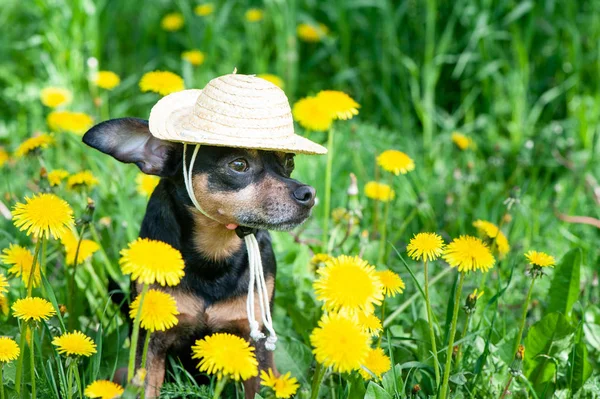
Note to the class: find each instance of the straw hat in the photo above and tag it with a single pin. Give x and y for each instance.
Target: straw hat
(231, 111)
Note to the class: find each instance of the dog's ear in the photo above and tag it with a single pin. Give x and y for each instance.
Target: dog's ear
(129, 140)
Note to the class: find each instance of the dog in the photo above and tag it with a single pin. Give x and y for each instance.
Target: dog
(238, 188)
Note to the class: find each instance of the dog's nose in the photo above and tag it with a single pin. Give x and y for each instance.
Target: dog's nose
(305, 195)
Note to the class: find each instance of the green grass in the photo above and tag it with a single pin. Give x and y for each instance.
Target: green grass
(518, 77)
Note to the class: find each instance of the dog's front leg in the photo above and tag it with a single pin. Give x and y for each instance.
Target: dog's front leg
(266, 361)
(155, 363)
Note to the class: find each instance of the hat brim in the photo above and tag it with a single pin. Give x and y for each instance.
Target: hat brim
(172, 119)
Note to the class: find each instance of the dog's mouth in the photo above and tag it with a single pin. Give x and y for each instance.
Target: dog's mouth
(286, 224)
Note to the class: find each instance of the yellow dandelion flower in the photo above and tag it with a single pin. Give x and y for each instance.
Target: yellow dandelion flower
(86, 249)
(339, 342)
(44, 215)
(41, 141)
(74, 344)
(159, 311)
(21, 260)
(284, 386)
(107, 80)
(146, 184)
(493, 232)
(461, 141)
(348, 283)
(67, 121)
(56, 176)
(103, 389)
(339, 104)
(3, 156)
(395, 162)
(9, 350)
(370, 323)
(311, 115)
(318, 259)
(161, 82)
(194, 57)
(310, 33)
(468, 254)
(392, 283)
(3, 285)
(540, 259)
(150, 261)
(205, 9)
(85, 178)
(4, 305)
(377, 362)
(55, 96)
(276, 80)
(379, 191)
(426, 246)
(254, 15)
(33, 308)
(172, 22)
(226, 355)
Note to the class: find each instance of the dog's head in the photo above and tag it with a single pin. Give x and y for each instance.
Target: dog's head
(234, 186)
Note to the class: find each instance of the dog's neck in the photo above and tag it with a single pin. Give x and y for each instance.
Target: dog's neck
(212, 239)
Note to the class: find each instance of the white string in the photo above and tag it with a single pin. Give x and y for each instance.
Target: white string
(257, 277)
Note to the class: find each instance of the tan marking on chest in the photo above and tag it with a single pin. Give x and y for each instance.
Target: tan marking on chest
(232, 312)
(213, 239)
(190, 307)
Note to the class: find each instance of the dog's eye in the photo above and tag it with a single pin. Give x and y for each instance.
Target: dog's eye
(289, 163)
(239, 165)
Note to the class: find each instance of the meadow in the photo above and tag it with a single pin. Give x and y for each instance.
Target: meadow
(462, 186)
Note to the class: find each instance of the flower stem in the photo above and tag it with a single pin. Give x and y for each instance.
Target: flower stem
(38, 245)
(327, 196)
(506, 387)
(464, 333)
(72, 291)
(317, 380)
(134, 335)
(70, 381)
(447, 367)
(19, 372)
(383, 239)
(219, 387)
(78, 381)
(436, 361)
(523, 318)
(1, 383)
(32, 362)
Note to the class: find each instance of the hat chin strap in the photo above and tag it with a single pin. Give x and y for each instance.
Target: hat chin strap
(257, 275)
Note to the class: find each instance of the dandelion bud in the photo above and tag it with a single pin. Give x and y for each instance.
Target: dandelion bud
(517, 364)
(62, 309)
(43, 173)
(353, 188)
(471, 301)
(98, 102)
(416, 389)
(339, 214)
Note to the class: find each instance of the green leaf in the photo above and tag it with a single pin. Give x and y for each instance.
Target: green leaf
(356, 387)
(293, 356)
(579, 367)
(374, 391)
(564, 290)
(420, 333)
(541, 346)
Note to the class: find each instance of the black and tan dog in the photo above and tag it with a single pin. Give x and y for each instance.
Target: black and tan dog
(236, 187)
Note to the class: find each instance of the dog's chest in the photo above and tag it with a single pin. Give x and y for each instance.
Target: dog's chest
(229, 314)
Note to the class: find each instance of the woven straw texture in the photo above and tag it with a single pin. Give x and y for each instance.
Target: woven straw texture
(231, 111)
